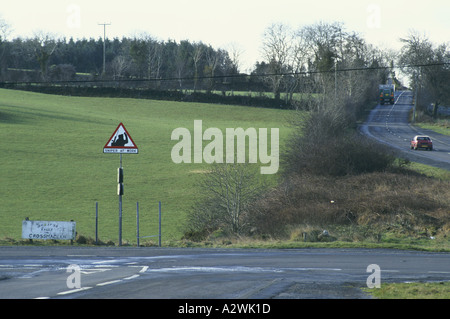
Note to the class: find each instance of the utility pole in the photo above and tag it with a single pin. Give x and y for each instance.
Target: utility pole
(335, 82)
(104, 45)
(416, 93)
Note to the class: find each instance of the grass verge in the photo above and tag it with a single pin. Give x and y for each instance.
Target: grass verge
(439, 126)
(413, 290)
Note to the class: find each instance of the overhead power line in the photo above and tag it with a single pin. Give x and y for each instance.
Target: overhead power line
(241, 75)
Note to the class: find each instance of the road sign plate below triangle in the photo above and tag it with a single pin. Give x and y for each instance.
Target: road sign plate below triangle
(120, 142)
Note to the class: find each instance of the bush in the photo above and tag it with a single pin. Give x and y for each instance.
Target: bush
(402, 201)
(326, 145)
(227, 192)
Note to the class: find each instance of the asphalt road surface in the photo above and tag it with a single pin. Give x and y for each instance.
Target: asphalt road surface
(185, 273)
(388, 124)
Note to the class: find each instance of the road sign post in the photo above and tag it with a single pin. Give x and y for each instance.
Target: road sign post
(120, 143)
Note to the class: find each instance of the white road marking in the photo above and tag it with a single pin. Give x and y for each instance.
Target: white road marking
(108, 282)
(106, 266)
(33, 265)
(105, 261)
(73, 291)
(144, 269)
(237, 269)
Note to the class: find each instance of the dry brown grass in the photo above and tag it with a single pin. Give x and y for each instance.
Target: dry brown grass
(402, 201)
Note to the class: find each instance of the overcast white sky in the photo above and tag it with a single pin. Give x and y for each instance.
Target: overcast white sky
(222, 23)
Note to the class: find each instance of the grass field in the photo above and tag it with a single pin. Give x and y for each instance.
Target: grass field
(412, 290)
(53, 166)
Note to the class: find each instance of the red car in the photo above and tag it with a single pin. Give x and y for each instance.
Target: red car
(421, 141)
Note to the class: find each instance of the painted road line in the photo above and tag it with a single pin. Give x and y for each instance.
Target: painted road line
(106, 266)
(73, 291)
(106, 261)
(108, 282)
(144, 269)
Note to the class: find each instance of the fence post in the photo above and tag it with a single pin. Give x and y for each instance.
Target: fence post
(96, 223)
(160, 224)
(137, 223)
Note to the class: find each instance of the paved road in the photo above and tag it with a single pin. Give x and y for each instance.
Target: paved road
(183, 273)
(388, 124)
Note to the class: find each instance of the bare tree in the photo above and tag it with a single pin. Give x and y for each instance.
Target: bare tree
(44, 46)
(276, 50)
(119, 65)
(196, 57)
(181, 61)
(426, 65)
(155, 59)
(235, 53)
(212, 62)
(437, 78)
(227, 190)
(5, 30)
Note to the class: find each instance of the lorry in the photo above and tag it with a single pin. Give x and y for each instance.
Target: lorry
(386, 93)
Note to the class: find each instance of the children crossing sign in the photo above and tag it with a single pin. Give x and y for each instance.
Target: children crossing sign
(120, 142)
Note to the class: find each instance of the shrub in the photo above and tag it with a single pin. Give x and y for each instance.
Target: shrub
(325, 145)
(227, 191)
(400, 201)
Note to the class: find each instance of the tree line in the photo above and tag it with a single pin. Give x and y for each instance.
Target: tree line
(195, 66)
(430, 74)
(127, 58)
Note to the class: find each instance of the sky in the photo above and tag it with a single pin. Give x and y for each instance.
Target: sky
(225, 24)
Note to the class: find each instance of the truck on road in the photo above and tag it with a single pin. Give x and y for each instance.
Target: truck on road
(386, 93)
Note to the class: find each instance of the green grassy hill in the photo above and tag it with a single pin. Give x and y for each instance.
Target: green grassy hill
(53, 166)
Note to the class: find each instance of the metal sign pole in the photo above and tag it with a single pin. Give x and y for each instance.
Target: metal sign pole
(120, 207)
(96, 222)
(159, 224)
(137, 223)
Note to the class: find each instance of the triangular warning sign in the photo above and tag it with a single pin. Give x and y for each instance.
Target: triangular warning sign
(120, 142)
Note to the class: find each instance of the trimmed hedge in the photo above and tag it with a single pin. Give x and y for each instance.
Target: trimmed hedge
(169, 95)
